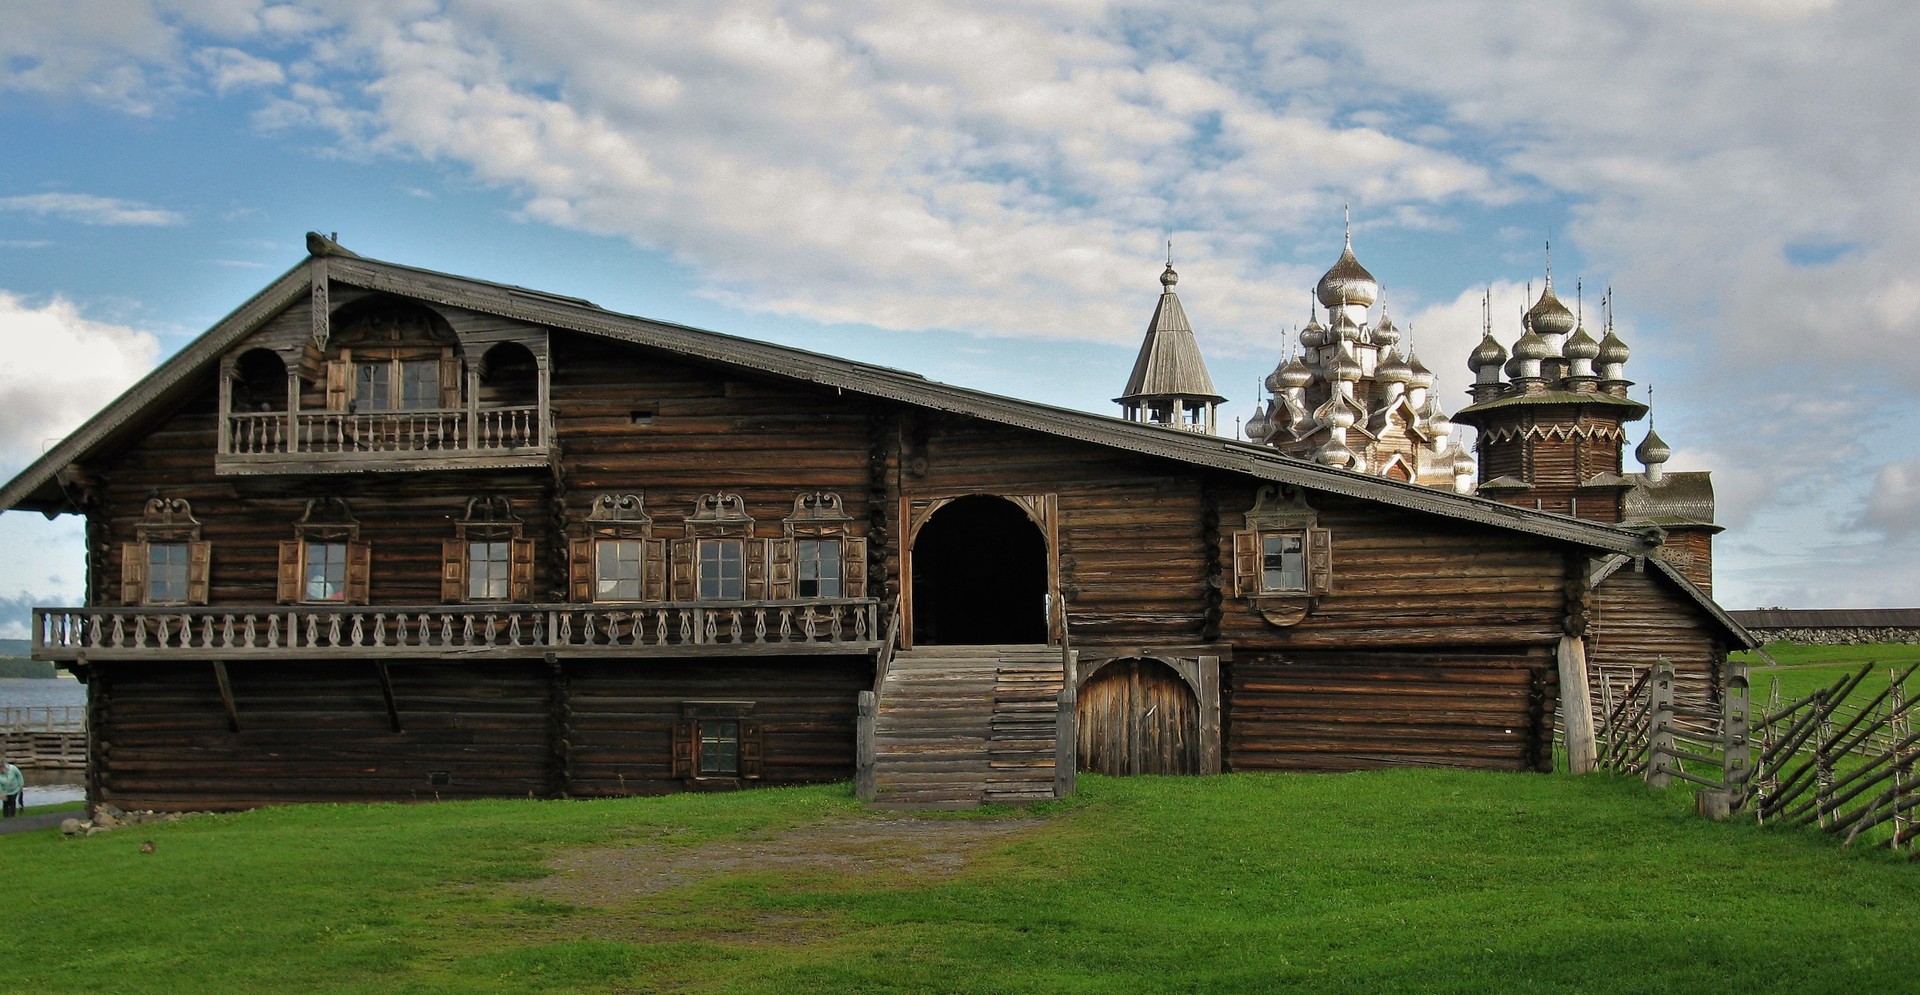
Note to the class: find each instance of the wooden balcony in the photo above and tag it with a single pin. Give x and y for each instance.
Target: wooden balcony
(335, 441)
(767, 628)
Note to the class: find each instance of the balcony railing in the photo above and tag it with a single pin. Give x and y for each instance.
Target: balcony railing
(677, 629)
(479, 430)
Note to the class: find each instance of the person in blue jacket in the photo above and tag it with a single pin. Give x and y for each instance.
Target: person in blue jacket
(13, 786)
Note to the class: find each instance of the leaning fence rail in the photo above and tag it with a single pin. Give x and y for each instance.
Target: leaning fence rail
(1840, 759)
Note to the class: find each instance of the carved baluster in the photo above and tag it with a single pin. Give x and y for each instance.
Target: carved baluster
(786, 623)
(660, 627)
(710, 631)
(588, 631)
(807, 624)
(491, 629)
(759, 625)
(333, 628)
(686, 625)
(226, 634)
(359, 631)
(246, 630)
(273, 632)
(836, 627)
(62, 627)
(513, 629)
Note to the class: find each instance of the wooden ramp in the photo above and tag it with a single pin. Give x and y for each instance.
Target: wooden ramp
(958, 726)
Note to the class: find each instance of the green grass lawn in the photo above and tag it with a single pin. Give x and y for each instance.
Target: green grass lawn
(1801, 670)
(1390, 881)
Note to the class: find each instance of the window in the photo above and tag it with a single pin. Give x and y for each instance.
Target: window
(722, 570)
(818, 568)
(489, 569)
(717, 741)
(1283, 561)
(167, 573)
(325, 571)
(618, 569)
(392, 384)
(719, 747)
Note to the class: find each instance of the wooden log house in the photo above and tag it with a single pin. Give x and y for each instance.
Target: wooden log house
(387, 533)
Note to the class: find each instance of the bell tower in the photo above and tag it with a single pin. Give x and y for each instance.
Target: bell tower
(1170, 386)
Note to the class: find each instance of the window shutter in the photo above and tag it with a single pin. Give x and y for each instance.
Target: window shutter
(520, 575)
(683, 746)
(779, 569)
(359, 572)
(580, 571)
(853, 566)
(449, 379)
(750, 749)
(1319, 561)
(133, 573)
(653, 570)
(340, 381)
(1246, 564)
(755, 554)
(289, 571)
(199, 571)
(453, 570)
(682, 573)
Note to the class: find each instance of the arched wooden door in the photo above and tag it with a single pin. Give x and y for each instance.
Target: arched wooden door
(1138, 717)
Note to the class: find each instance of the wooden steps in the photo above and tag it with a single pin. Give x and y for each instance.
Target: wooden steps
(958, 726)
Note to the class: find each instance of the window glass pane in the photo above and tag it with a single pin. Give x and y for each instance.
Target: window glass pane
(326, 571)
(488, 566)
(370, 387)
(617, 570)
(1283, 562)
(722, 569)
(719, 747)
(420, 384)
(166, 572)
(817, 572)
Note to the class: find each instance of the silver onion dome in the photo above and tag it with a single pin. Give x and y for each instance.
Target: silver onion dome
(1532, 346)
(1168, 277)
(1464, 464)
(1582, 345)
(1345, 329)
(1335, 455)
(1385, 333)
(1422, 377)
(1315, 335)
(1294, 374)
(1652, 450)
(1488, 353)
(1347, 282)
(1347, 367)
(1394, 370)
(1548, 316)
(1613, 351)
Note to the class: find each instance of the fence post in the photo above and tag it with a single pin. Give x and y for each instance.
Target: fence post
(1660, 726)
(863, 773)
(1576, 704)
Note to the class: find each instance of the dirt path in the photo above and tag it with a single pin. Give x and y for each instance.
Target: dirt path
(903, 848)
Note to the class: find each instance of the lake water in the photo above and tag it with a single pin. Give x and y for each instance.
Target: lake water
(28, 692)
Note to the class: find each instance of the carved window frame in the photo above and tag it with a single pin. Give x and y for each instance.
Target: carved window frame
(1281, 511)
(168, 524)
(719, 517)
(489, 519)
(326, 521)
(818, 516)
(615, 519)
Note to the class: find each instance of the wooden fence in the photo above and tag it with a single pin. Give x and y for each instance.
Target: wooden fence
(1841, 759)
(44, 737)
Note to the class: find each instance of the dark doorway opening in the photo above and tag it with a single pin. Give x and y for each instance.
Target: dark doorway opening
(1138, 717)
(979, 575)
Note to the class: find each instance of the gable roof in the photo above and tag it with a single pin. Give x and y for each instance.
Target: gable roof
(40, 487)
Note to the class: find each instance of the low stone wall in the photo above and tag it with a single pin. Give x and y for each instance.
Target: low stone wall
(1839, 636)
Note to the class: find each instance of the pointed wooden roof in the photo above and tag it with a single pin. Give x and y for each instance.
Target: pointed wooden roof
(1169, 364)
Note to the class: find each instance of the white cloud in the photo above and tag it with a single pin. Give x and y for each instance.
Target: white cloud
(61, 368)
(1893, 506)
(232, 69)
(88, 209)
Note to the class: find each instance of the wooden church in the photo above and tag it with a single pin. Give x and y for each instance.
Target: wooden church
(388, 533)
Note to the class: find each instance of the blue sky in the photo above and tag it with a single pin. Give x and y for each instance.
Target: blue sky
(981, 193)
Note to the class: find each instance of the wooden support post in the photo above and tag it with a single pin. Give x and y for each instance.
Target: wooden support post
(1209, 686)
(559, 729)
(386, 691)
(1576, 707)
(1736, 731)
(226, 696)
(1660, 727)
(863, 761)
(1066, 740)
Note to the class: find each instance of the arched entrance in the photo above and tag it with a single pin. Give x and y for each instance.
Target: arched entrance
(979, 575)
(1138, 717)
